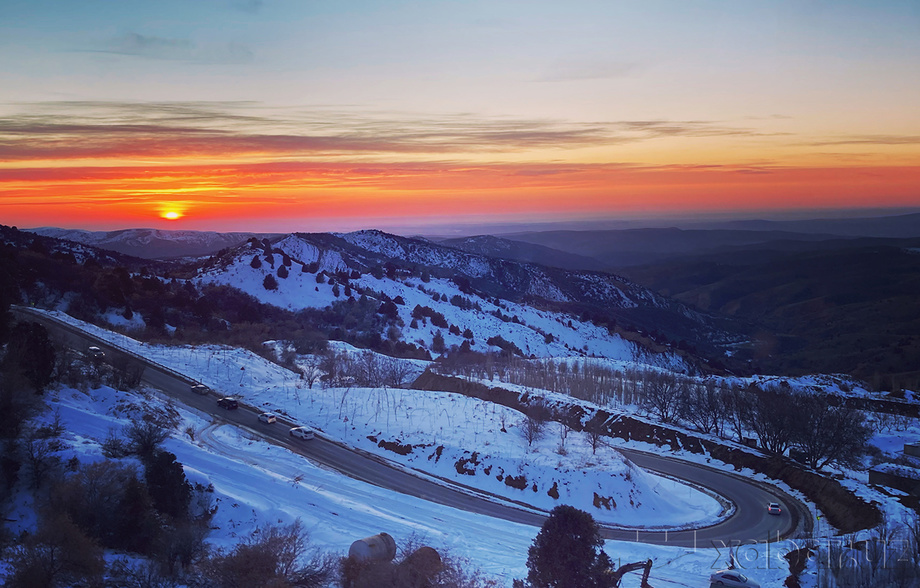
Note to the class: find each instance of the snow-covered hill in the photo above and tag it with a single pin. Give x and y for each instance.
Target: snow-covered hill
(438, 292)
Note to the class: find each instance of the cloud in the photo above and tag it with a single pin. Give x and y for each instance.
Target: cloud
(175, 49)
(81, 130)
(871, 140)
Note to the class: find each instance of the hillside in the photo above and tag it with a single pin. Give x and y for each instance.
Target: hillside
(464, 296)
(151, 243)
(404, 297)
(845, 306)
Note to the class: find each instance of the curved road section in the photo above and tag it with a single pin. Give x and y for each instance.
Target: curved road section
(750, 523)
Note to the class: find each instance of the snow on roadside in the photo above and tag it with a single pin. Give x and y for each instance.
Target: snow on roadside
(256, 483)
(450, 436)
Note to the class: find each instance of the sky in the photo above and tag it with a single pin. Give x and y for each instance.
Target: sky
(294, 115)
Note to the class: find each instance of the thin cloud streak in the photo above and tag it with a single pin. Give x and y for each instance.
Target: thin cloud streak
(135, 44)
(871, 140)
(99, 130)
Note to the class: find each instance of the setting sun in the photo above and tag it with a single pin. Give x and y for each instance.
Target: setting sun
(171, 215)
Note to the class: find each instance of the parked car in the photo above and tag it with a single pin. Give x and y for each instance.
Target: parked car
(732, 579)
(267, 418)
(305, 433)
(228, 402)
(774, 509)
(200, 389)
(95, 352)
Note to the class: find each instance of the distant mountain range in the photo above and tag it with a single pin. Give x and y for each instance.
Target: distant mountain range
(621, 248)
(151, 243)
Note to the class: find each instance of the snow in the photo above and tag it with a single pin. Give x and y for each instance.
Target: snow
(256, 482)
(116, 319)
(529, 332)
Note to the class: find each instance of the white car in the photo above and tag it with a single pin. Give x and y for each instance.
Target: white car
(304, 433)
(267, 418)
(732, 579)
(774, 509)
(200, 389)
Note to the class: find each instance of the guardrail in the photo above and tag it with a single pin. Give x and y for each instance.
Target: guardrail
(35, 313)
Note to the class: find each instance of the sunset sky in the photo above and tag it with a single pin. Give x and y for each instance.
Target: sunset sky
(289, 115)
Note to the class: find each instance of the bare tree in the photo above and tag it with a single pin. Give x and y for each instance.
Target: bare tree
(703, 407)
(534, 424)
(662, 395)
(310, 370)
(829, 434)
(772, 417)
(737, 408)
(595, 429)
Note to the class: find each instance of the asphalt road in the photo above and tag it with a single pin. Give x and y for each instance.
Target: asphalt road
(749, 523)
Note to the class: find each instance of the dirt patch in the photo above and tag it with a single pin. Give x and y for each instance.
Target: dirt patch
(604, 502)
(394, 446)
(797, 559)
(519, 482)
(467, 465)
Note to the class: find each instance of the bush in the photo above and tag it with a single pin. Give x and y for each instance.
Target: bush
(271, 556)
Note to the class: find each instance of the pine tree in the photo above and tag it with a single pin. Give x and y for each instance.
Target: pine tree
(567, 553)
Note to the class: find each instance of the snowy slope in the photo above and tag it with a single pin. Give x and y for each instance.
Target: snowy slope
(535, 331)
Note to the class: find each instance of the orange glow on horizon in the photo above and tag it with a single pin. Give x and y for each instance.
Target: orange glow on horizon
(245, 195)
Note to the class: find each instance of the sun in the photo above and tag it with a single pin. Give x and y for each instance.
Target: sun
(171, 215)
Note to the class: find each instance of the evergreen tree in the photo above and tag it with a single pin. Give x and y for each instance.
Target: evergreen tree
(437, 343)
(567, 553)
(270, 283)
(31, 354)
(170, 491)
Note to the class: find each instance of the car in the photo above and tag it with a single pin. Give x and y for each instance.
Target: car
(95, 352)
(267, 418)
(774, 509)
(228, 402)
(732, 579)
(305, 433)
(200, 389)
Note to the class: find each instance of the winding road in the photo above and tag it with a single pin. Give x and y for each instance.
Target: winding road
(748, 524)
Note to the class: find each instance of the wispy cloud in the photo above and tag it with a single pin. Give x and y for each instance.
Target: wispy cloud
(175, 49)
(75, 130)
(871, 140)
